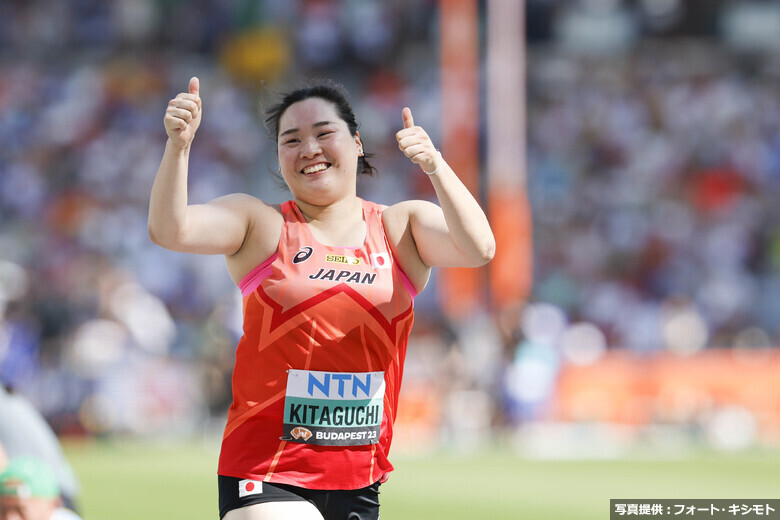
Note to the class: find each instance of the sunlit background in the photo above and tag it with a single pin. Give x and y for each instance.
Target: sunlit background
(631, 166)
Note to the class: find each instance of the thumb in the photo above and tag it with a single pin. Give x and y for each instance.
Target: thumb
(406, 115)
(195, 86)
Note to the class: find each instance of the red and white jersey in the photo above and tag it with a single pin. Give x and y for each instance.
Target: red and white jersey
(320, 363)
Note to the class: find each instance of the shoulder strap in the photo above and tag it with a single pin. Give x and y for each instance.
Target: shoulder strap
(291, 213)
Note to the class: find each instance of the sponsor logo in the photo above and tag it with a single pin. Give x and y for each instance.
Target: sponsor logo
(248, 487)
(327, 383)
(299, 432)
(303, 254)
(342, 259)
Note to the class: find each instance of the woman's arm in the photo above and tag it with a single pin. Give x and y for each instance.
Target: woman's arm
(218, 227)
(457, 234)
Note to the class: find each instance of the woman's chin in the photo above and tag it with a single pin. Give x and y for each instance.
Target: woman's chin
(317, 194)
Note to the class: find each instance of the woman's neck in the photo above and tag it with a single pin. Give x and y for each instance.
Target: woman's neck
(341, 211)
(338, 225)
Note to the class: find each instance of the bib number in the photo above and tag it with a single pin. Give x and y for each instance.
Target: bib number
(333, 408)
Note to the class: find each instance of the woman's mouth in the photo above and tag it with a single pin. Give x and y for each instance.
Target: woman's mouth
(315, 168)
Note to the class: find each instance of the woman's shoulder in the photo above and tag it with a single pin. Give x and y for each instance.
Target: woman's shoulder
(245, 200)
(259, 216)
(396, 218)
(401, 211)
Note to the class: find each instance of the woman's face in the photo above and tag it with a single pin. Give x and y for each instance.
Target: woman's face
(31, 508)
(317, 154)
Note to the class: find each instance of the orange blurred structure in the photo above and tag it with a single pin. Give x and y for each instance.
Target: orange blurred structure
(511, 270)
(461, 288)
(671, 389)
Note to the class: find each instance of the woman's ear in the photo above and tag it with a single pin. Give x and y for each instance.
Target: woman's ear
(359, 144)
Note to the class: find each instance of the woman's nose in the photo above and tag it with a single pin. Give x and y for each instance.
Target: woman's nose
(310, 148)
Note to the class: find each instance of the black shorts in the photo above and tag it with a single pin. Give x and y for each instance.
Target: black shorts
(339, 504)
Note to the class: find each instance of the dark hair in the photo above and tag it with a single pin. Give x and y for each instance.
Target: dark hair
(329, 91)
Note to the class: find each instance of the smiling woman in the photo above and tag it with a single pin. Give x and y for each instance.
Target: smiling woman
(328, 281)
(327, 91)
(318, 155)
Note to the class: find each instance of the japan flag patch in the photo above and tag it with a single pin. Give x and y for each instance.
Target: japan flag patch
(248, 487)
(380, 260)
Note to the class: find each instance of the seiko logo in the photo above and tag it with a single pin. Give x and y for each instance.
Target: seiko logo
(303, 255)
(342, 259)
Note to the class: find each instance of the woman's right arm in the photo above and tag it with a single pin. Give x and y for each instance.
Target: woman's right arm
(218, 227)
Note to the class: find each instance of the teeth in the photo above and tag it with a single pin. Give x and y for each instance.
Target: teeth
(315, 168)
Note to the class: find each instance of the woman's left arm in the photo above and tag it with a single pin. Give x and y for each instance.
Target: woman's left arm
(457, 234)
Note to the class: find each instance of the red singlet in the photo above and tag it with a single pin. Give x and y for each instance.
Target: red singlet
(319, 367)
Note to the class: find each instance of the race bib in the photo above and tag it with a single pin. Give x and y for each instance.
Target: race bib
(333, 408)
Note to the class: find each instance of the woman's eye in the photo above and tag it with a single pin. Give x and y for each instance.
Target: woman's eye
(291, 141)
(323, 134)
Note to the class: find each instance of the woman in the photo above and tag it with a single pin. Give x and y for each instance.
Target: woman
(328, 282)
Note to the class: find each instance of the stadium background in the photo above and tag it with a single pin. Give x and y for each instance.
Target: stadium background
(651, 163)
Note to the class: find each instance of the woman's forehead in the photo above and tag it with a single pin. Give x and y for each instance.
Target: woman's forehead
(308, 112)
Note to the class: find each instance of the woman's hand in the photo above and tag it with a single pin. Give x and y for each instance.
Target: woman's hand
(416, 145)
(182, 117)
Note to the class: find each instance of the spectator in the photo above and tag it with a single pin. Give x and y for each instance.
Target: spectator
(25, 433)
(29, 491)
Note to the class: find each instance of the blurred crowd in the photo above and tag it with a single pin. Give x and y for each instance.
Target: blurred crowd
(652, 177)
(103, 330)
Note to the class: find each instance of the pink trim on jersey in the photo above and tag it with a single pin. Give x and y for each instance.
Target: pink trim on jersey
(256, 276)
(407, 282)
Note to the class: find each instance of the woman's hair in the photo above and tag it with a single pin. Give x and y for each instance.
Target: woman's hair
(329, 91)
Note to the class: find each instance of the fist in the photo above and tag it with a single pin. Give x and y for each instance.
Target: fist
(182, 117)
(416, 145)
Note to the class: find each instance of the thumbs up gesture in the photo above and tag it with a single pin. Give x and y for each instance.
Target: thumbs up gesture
(416, 145)
(182, 117)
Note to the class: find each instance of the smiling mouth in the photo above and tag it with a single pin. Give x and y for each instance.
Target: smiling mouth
(315, 168)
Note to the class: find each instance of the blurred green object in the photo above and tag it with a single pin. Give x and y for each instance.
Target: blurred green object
(124, 481)
(28, 477)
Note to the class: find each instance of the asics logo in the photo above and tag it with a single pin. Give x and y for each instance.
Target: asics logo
(303, 254)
